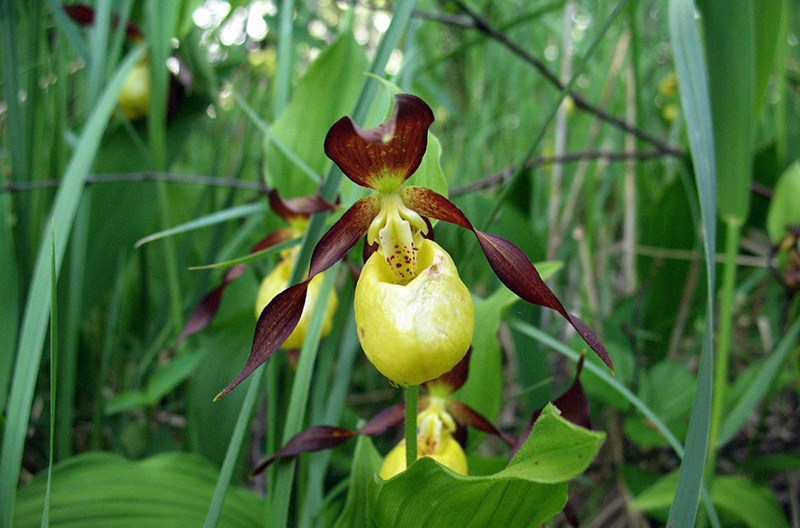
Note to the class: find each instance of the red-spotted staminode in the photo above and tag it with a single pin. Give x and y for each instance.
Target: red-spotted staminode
(382, 159)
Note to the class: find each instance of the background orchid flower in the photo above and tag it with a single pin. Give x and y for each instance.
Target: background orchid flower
(382, 158)
(296, 212)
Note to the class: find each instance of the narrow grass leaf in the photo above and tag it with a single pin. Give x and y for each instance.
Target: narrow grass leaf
(53, 371)
(240, 211)
(757, 390)
(9, 289)
(232, 454)
(34, 325)
(688, 55)
(67, 27)
(280, 145)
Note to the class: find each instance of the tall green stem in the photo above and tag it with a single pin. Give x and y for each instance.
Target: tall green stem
(732, 235)
(412, 392)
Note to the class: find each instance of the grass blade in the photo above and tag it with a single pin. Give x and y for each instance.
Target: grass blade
(232, 454)
(233, 213)
(283, 77)
(756, 391)
(34, 325)
(53, 370)
(688, 56)
(285, 150)
(9, 289)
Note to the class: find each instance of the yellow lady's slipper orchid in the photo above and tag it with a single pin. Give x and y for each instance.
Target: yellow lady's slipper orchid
(435, 428)
(276, 281)
(417, 330)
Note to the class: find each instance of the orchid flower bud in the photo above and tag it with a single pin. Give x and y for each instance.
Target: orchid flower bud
(276, 282)
(414, 330)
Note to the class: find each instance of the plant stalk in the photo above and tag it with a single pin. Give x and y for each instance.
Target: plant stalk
(412, 393)
(732, 236)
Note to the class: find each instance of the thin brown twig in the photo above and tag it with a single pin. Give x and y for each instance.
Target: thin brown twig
(141, 177)
(483, 25)
(506, 174)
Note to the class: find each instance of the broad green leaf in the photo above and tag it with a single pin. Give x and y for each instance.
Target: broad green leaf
(366, 462)
(484, 386)
(429, 174)
(326, 92)
(530, 490)
(483, 389)
(668, 389)
(737, 497)
(784, 209)
(730, 43)
(99, 490)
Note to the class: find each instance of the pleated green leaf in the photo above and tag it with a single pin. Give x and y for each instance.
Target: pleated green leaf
(768, 15)
(530, 490)
(97, 490)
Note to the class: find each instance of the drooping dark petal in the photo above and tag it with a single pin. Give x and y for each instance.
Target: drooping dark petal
(454, 379)
(301, 207)
(384, 420)
(467, 416)
(573, 406)
(280, 317)
(393, 150)
(315, 438)
(206, 309)
(510, 263)
(276, 323)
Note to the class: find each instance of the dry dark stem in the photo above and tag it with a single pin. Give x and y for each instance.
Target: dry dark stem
(485, 26)
(505, 175)
(144, 176)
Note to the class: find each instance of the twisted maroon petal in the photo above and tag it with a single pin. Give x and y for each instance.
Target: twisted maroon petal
(313, 439)
(301, 207)
(511, 265)
(391, 151)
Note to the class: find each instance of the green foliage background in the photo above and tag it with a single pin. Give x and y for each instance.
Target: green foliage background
(621, 217)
